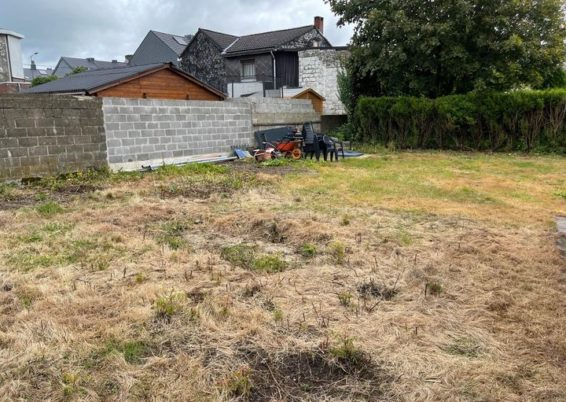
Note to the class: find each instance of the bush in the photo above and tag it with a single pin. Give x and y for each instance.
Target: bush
(43, 80)
(512, 121)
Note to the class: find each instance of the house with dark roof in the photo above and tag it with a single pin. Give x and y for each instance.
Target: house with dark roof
(66, 65)
(160, 47)
(240, 65)
(152, 81)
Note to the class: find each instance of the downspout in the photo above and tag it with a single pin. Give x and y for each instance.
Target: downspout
(274, 70)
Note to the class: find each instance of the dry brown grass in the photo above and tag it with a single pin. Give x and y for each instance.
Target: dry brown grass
(96, 305)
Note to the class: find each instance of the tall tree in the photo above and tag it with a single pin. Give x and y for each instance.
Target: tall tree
(440, 47)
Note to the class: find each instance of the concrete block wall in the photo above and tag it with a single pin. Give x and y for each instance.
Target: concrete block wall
(48, 135)
(152, 132)
(318, 69)
(277, 112)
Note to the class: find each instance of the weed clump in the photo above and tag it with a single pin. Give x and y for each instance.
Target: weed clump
(308, 250)
(338, 252)
(240, 255)
(167, 306)
(347, 351)
(238, 383)
(433, 289)
(345, 299)
(373, 290)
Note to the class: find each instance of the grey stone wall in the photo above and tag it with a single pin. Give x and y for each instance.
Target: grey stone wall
(318, 69)
(152, 132)
(203, 59)
(4, 62)
(47, 135)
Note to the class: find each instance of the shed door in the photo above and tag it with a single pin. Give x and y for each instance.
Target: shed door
(287, 65)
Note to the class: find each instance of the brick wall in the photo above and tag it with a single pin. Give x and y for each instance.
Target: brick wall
(47, 135)
(318, 69)
(151, 132)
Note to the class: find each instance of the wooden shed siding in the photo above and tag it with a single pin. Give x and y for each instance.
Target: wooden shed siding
(163, 84)
(317, 102)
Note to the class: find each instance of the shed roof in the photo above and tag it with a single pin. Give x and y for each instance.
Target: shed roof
(91, 82)
(297, 92)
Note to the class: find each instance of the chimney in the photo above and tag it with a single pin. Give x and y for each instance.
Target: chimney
(114, 61)
(319, 24)
(33, 66)
(90, 59)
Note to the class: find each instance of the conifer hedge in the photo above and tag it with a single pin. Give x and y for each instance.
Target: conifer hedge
(523, 120)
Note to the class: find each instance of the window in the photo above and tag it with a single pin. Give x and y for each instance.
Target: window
(248, 70)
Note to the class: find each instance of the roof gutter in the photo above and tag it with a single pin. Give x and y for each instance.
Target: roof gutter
(274, 70)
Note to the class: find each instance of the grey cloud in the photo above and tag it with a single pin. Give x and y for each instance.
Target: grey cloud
(110, 29)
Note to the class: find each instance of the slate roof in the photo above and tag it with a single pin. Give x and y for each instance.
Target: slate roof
(221, 39)
(266, 40)
(40, 72)
(232, 45)
(91, 64)
(90, 82)
(176, 43)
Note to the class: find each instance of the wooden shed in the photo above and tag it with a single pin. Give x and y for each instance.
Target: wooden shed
(154, 81)
(306, 93)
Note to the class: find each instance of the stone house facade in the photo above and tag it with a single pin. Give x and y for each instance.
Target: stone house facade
(246, 64)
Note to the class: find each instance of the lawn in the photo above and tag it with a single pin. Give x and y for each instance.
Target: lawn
(410, 276)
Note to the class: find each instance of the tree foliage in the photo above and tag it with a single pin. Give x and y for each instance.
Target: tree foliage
(441, 47)
(42, 80)
(78, 70)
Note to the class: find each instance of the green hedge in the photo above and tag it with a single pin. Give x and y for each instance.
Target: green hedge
(513, 121)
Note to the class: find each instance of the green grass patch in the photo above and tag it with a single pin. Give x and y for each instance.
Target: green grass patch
(240, 255)
(48, 250)
(172, 234)
(466, 347)
(49, 209)
(269, 264)
(244, 256)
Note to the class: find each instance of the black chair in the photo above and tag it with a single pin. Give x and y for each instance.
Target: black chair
(311, 142)
(339, 147)
(328, 145)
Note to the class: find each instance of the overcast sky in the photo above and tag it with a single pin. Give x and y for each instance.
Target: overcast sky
(110, 29)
